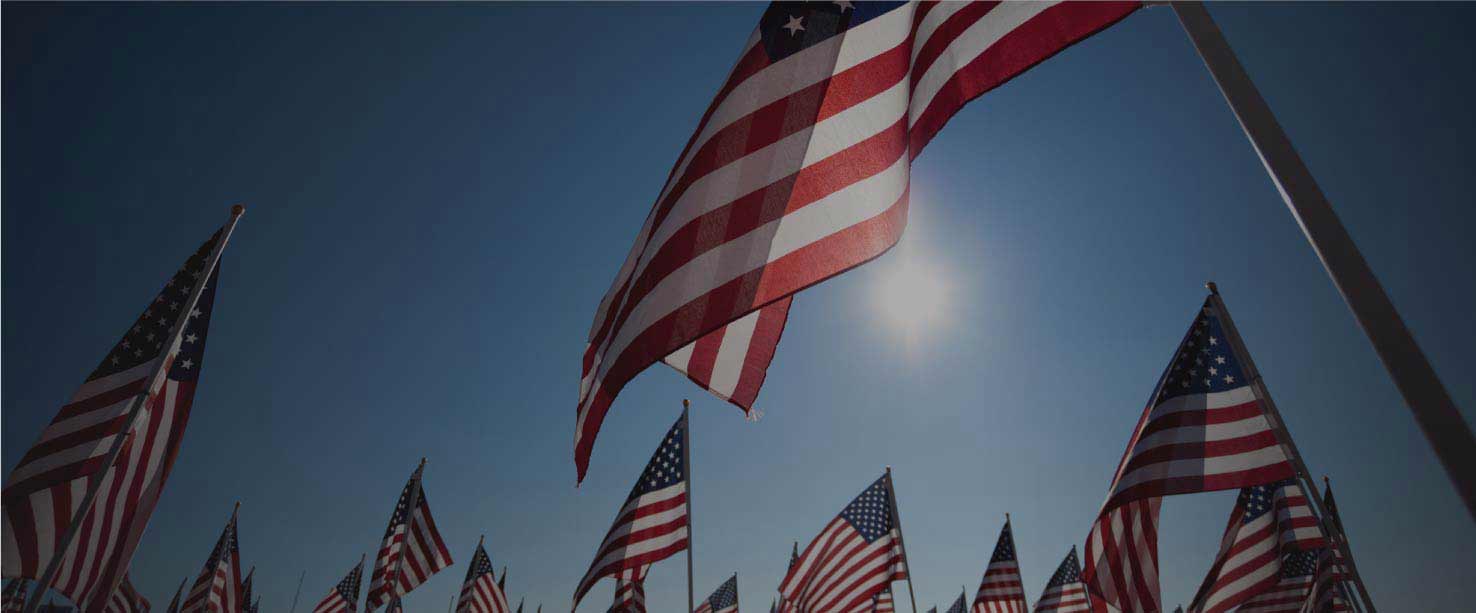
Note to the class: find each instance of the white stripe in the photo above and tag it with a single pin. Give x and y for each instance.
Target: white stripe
(732, 353)
(1201, 402)
(802, 571)
(974, 41)
(681, 359)
(641, 547)
(1217, 465)
(930, 23)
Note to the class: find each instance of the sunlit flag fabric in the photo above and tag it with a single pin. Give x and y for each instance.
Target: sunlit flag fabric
(1267, 522)
(1065, 593)
(126, 599)
(724, 600)
(14, 599)
(1326, 595)
(1204, 430)
(799, 170)
(412, 548)
(652, 524)
(344, 597)
(883, 602)
(858, 554)
(630, 590)
(217, 589)
(1001, 590)
(479, 592)
(961, 605)
(732, 361)
(46, 489)
(1291, 588)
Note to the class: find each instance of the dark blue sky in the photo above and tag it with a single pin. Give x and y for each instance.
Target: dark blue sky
(439, 195)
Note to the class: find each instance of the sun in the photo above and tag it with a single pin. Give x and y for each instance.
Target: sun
(913, 295)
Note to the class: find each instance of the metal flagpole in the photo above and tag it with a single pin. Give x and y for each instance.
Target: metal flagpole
(299, 588)
(687, 460)
(409, 517)
(1258, 386)
(897, 521)
(135, 408)
(1448, 433)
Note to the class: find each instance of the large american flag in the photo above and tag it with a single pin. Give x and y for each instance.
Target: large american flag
(45, 491)
(858, 554)
(126, 599)
(630, 590)
(1267, 522)
(1327, 594)
(412, 549)
(479, 592)
(1293, 583)
(652, 524)
(344, 597)
(1204, 430)
(799, 170)
(217, 589)
(724, 600)
(1001, 590)
(1065, 593)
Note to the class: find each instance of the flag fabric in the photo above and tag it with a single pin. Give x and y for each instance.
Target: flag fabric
(961, 605)
(217, 589)
(344, 597)
(520, 605)
(14, 599)
(1065, 593)
(178, 592)
(793, 558)
(724, 600)
(732, 361)
(44, 493)
(1267, 522)
(1205, 430)
(479, 593)
(883, 602)
(799, 170)
(1327, 595)
(395, 606)
(652, 524)
(502, 581)
(858, 554)
(1001, 589)
(630, 590)
(1291, 588)
(412, 549)
(126, 599)
(246, 590)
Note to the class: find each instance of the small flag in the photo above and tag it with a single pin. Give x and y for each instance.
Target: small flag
(961, 605)
(246, 590)
(1327, 595)
(479, 593)
(630, 591)
(1267, 522)
(724, 600)
(344, 597)
(217, 588)
(178, 592)
(1065, 593)
(412, 548)
(1291, 588)
(1001, 590)
(126, 599)
(857, 555)
(14, 599)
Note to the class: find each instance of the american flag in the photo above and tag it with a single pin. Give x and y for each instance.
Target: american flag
(793, 557)
(1001, 590)
(652, 524)
(732, 361)
(502, 581)
(1204, 430)
(178, 592)
(1267, 522)
(1065, 593)
(409, 532)
(724, 600)
(858, 554)
(44, 493)
(961, 605)
(799, 170)
(14, 599)
(1327, 595)
(883, 602)
(125, 599)
(1291, 587)
(217, 589)
(344, 597)
(246, 590)
(479, 593)
(630, 590)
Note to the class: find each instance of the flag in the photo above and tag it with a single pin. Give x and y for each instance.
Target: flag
(883, 602)
(630, 590)
(1267, 522)
(479, 593)
(14, 599)
(344, 597)
(217, 589)
(1326, 595)
(961, 605)
(174, 602)
(520, 605)
(125, 599)
(1065, 593)
(652, 524)
(793, 557)
(724, 600)
(502, 581)
(1291, 587)
(412, 549)
(43, 494)
(1205, 430)
(246, 590)
(858, 554)
(731, 362)
(799, 170)
(1001, 590)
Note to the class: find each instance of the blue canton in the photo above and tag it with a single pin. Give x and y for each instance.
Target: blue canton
(1300, 564)
(481, 564)
(145, 340)
(1004, 551)
(790, 27)
(668, 465)
(1256, 501)
(1068, 572)
(726, 596)
(1204, 362)
(870, 514)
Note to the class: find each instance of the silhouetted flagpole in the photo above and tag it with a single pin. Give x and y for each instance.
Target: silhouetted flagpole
(299, 589)
(897, 521)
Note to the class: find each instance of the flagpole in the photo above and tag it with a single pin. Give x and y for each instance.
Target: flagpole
(687, 460)
(414, 502)
(135, 407)
(299, 590)
(1258, 387)
(897, 521)
(1447, 432)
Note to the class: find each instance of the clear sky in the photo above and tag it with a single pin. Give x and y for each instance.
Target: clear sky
(439, 195)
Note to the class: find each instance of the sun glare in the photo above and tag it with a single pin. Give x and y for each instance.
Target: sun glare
(914, 295)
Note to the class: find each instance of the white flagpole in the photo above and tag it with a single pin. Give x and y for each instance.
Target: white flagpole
(1447, 432)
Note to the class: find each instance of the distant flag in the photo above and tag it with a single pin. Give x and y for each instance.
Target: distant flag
(217, 589)
(344, 597)
(256, 605)
(502, 581)
(858, 554)
(520, 605)
(44, 493)
(932, 609)
(479, 593)
(1332, 507)
(883, 602)
(1267, 522)
(1001, 589)
(630, 591)
(652, 524)
(14, 599)
(1203, 431)
(1327, 595)
(1179, 609)
(1291, 588)
(412, 549)
(1065, 593)
(961, 605)
(724, 600)
(793, 557)
(178, 592)
(126, 599)
(773, 605)
(395, 607)
(246, 590)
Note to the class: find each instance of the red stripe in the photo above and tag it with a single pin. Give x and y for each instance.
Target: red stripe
(1203, 417)
(944, 35)
(101, 400)
(1202, 450)
(704, 356)
(629, 564)
(760, 354)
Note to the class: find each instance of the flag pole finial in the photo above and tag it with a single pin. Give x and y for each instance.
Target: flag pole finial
(1325, 482)
(238, 210)
(686, 403)
(422, 461)
(1210, 285)
(480, 539)
(1007, 517)
(238, 506)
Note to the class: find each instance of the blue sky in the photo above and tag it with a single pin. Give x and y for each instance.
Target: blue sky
(439, 194)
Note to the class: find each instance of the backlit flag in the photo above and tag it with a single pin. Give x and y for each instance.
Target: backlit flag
(652, 524)
(724, 600)
(1326, 595)
(412, 549)
(479, 593)
(125, 599)
(793, 558)
(1065, 593)
(178, 592)
(246, 590)
(1291, 588)
(1203, 431)
(961, 605)
(217, 589)
(344, 597)
(883, 602)
(1001, 590)
(14, 599)
(799, 170)
(732, 361)
(630, 590)
(856, 556)
(1267, 522)
(44, 492)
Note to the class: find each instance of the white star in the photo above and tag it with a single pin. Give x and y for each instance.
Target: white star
(174, 306)
(1219, 359)
(191, 338)
(1229, 379)
(844, 5)
(115, 359)
(151, 336)
(1214, 371)
(795, 25)
(194, 312)
(187, 364)
(1214, 341)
